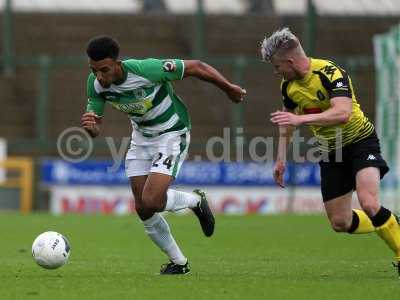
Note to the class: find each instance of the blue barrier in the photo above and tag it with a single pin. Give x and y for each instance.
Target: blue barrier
(97, 172)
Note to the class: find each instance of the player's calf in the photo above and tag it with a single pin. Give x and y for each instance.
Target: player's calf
(360, 223)
(171, 201)
(178, 200)
(143, 212)
(159, 232)
(387, 227)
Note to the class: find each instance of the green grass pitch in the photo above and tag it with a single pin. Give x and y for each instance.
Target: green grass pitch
(249, 257)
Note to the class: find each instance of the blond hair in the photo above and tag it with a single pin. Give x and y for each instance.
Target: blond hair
(281, 41)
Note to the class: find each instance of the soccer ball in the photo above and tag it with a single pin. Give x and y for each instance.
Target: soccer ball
(50, 250)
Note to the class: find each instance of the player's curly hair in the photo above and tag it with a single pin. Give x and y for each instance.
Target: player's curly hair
(101, 47)
(282, 39)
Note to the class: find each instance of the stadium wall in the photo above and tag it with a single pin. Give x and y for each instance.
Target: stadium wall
(61, 35)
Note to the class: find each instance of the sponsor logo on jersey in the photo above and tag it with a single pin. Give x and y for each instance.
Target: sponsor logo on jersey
(312, 110)
(339, 84)
(133, 108)
(329, 70)
(169, 66)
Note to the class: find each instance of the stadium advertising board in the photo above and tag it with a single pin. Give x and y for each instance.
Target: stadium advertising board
(237, 200)
(232, 188)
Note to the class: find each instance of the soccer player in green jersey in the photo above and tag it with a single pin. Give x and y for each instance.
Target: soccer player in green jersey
(318, 93)
(142, 90)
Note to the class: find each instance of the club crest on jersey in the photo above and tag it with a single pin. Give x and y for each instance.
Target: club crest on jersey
(139, 93)
(169, 66)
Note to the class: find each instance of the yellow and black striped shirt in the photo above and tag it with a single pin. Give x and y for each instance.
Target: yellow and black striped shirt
(312, 94)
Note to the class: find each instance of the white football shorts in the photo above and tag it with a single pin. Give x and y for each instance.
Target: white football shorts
(165, 156)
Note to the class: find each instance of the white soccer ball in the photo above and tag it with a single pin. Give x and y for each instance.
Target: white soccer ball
(51, 250)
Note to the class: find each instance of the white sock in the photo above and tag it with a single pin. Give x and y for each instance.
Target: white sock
(177, 200)
(158, 230)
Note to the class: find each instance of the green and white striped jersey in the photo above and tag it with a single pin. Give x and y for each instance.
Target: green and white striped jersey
(146, 96)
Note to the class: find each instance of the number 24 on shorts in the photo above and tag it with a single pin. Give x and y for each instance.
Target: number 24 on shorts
(160, 159)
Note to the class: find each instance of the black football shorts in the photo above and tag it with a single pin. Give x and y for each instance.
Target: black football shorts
(339, 177)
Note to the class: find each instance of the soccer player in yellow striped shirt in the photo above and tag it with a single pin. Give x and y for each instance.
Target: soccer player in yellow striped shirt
(319, 93)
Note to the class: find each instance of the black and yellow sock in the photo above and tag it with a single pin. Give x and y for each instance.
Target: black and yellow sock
(388, 229)
(360, 223)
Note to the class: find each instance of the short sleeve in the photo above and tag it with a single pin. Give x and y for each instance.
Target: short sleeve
(287, 102)
(157, 70)
(95, 102)
(335, 80)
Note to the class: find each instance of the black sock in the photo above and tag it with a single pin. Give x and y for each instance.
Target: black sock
(381, 217)
(355, 221)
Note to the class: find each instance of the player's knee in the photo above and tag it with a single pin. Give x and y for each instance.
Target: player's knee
(369, 202)
(139, 208)
(371, 207)
(152, 202)
(340, 225)
(143, 211)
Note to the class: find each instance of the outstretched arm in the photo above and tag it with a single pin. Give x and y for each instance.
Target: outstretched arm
(285, 138)
(338, 113)
(203, 71)
(91, 123)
